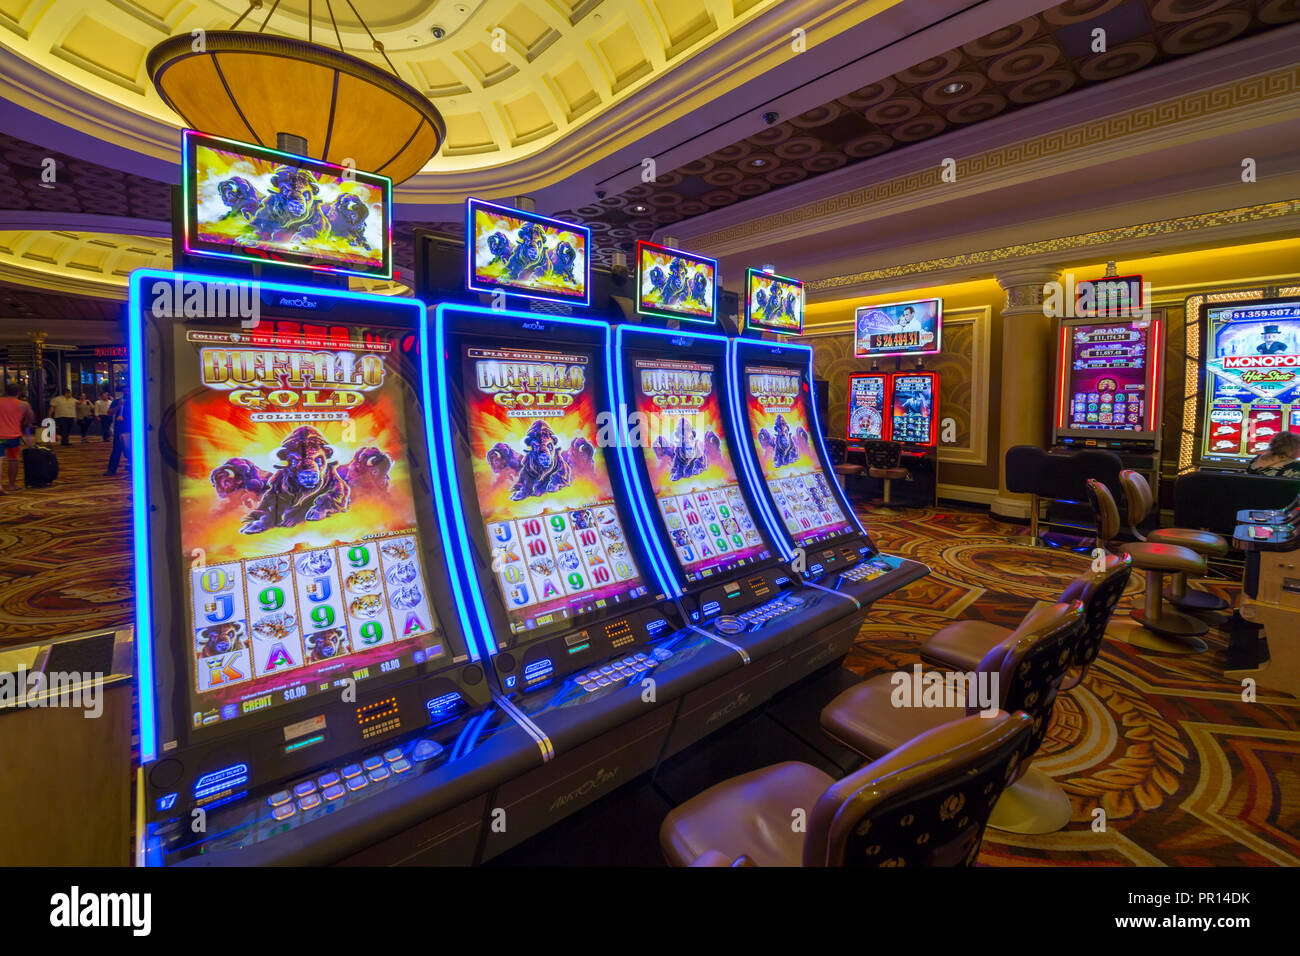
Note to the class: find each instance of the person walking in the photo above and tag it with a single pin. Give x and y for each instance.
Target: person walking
(15, 417)
(63, 409)
(85, 415)
(103, 411)
(121, 433)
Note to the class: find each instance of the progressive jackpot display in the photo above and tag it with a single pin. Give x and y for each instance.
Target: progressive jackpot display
(522, 253)
(674, 284)
(1106, 381)
(691, 468)
(899, 328)
(249, 202)
(297, 519)
(866, 416)
(777, 405)
(558, 547)
(912, 408)
(1252, 378)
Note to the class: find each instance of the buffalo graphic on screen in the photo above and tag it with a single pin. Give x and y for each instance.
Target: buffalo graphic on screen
(685, 453)
(307, 484)
(542, 468)
(783, 443)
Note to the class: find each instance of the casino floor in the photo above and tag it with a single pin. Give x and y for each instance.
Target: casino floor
(632, 419)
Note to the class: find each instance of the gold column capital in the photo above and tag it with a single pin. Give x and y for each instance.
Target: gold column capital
(1024, 288)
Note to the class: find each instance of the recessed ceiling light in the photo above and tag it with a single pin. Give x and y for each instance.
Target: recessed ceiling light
(954, 87)
(758, 163)
(638, 208)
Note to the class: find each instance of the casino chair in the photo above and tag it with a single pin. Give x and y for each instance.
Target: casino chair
(925, 804)
(962, 645)
(883, 462)
(1138, 504)
(1161, 629)
(838, 449)
(1026, 670)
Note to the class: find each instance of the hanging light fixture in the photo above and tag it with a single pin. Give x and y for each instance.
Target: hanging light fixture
(288, 93)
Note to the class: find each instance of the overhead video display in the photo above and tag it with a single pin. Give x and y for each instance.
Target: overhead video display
(912, 411)
(297, 519)
(672, 284)
(522, 253)
(1106, 372)
(773, 303)
(692, 474)
(776, 400)
(558, 547)
(248, 202)
(899, 328)
(867, 397)
(1252, 378)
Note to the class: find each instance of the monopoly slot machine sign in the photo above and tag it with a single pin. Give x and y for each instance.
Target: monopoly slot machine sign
(691, 469)
(777, 405)
(1252, 378)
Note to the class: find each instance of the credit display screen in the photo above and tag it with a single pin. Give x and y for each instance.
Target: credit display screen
(692, 473)
(912, 407)
(776, 401)
(544, 493)
(1252, 378)
(297, 520)
(1106, 378)
(867, 407)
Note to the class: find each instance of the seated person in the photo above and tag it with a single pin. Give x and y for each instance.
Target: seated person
(1280, 459)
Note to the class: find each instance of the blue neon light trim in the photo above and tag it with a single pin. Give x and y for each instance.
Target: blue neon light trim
(462, 560)
(471, 248)
(777, 532)
(631, 477)
(144, 630)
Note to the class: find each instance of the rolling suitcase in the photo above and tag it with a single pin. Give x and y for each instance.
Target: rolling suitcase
(40, 466)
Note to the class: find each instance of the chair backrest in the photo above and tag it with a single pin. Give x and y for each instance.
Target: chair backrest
(1099, 592)
(1211, 499)
(1138, 500)
(925, 804)
(1032, 663)
(1024, 469)
(838, 449)
(883, 454)
(1104, 510)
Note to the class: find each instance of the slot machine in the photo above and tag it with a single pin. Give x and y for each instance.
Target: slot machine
(1251, 364)
(784, 459)
(307, 692)
(720, 560)
(867, 418)
(583, 641)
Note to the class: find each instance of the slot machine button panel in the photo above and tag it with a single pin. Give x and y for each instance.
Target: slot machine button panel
(351, 771)
(426, 750)
(401, 765)
(284, 811)
(334, 792)
(309, 802)
(371, 764)
(356, 783)
(393, 755)
(304, 788)
(327, 780)
(279, 798)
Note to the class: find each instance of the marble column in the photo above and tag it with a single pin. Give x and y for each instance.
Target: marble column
(1024, 409)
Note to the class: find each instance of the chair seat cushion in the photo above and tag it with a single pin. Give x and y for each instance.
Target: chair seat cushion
(1202, 542)
(1164, 557)
(864, 717)
(747, 815)
(898, 473)
(961, 646)
(849, 470)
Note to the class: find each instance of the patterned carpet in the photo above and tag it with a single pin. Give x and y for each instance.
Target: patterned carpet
(1187, 772)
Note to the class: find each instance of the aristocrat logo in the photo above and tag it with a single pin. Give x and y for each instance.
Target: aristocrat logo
(302, 302)
(591, 784)
(740, 700)
(534, 326)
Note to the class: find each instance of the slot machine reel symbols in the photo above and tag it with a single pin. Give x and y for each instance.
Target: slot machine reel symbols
(216, 591)
(365, 605)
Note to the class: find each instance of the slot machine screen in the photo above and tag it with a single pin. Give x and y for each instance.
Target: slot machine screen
(1106, 378)
(522, 253)
(773, 303)
(776, 399)
(911, 407)
(672, 284)
(559, 549)
(867, 398)
(1252, 378)
(248, 202)
(898, 328)
(692, 473)
(297, 518)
